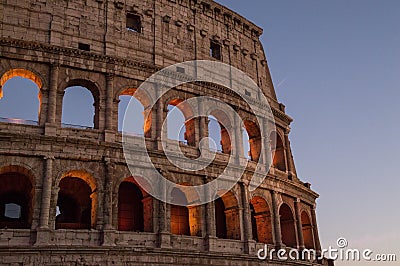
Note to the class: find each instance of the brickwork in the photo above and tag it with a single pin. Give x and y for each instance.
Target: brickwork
(59, 44)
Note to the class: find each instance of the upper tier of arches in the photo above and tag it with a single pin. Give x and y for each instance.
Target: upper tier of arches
(78, 104)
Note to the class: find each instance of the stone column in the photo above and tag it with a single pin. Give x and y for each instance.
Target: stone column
(53, 205)
(109, 235)
(203, 129)
(147, 202)
(203, 132)
(285, 151)
(52, 101)
(109, 100)
(266, 147)
(191, 135)
(299, 225)
(46, 193)
(288, 155)
(249, 243)
(238, 139)
(108, 193)
(159, 119)
(276, 219)
(108, 132)
(50, 125)
(163, 212)
(209, 220)
(43, 232)
(315, 229)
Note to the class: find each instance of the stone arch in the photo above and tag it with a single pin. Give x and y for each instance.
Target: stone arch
(192, 196)
(78, 191)
(185, 220)
(20, 168)
(144, 99)
(27, 74)
(142, 182)
(218, 110)
(17, 194)
(95, 91)
(223, 120)
(261, 220)
(142, 95)
(179, 215)
(122, 84)
(288, 229)
(177, 99)
(227, 216)
(122, 174)
(254, 133)
(23, 73)
(190, 121)
(277, 151)
(307, 230)
(131, 211)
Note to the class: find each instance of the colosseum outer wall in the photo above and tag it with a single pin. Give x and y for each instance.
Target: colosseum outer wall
(59, 44)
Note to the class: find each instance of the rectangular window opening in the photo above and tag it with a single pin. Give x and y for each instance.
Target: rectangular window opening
(215, 50)
(133, 23)
(84, 46)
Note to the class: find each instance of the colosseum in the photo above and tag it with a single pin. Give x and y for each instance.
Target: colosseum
(67, 196)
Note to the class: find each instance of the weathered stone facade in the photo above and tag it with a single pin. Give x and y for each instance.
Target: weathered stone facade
(111, 47)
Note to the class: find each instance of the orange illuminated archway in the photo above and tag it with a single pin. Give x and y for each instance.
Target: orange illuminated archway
(307, 231)
(25, 74)
(261, 220)
(19, 72)
(78, 199)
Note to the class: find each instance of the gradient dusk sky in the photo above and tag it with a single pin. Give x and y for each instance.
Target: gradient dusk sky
(336, 67)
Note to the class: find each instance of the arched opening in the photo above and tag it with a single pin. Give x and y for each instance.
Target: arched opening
(227, 217)
(76, 202)
(218, 121)
(251, 141)
(78, 110)
(130, 207)
(246, 144)
(261, 220)
(16, 194)
(138, 121)
(20, 87)
(288, 230)
(179, 215)
(307, 231)
(214, 133)
(254, 228)
(278, 152)
(220, 218)
(180, 126)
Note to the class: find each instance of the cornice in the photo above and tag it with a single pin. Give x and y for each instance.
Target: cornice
(48, 48)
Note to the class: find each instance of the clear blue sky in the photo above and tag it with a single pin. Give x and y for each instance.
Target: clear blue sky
(336, 66)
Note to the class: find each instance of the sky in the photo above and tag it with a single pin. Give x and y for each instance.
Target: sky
(336, 67)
